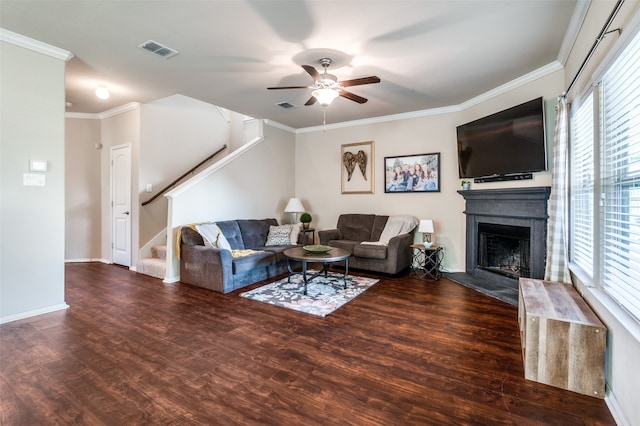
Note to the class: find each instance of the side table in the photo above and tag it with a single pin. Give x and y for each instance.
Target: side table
(426, 261)
(311, 231)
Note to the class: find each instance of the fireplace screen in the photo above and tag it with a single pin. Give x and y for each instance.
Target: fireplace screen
(504, 249)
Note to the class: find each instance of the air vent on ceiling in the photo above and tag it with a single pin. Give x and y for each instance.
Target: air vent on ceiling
(285, 105)
(158, 49)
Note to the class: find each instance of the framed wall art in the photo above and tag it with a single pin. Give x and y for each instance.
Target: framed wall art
(412, 173)
(357, 168)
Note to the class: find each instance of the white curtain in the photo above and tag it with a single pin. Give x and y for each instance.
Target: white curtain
(556, 268)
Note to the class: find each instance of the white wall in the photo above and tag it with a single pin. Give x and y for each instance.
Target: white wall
(255, 184)
(32, 217)
(83, 209)
(177, 133)
(318, 167)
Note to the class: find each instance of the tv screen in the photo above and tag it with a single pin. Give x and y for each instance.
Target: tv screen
(505, 143)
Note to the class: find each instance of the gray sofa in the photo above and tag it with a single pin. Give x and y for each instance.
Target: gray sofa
(216, 269)
(354, 229)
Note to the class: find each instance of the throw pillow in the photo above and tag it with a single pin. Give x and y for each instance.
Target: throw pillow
(295, 232)
(279, 235)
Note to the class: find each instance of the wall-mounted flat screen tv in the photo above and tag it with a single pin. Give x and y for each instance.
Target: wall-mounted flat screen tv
(505, 143)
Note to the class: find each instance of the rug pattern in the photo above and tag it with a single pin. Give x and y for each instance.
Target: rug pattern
(324, 294)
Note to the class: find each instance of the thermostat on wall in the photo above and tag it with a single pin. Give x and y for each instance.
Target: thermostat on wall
(37, 166)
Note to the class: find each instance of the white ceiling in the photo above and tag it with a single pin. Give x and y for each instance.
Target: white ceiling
(428, 54)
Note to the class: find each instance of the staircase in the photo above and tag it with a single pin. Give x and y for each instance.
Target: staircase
(155, 265)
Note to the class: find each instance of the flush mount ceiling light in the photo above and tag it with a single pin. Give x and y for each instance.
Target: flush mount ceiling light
(102, 92)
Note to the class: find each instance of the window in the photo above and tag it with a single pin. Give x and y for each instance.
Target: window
(581, 214)
(614, 221)
(620, 178)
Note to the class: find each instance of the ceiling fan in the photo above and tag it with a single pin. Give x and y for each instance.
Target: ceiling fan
(326, 87)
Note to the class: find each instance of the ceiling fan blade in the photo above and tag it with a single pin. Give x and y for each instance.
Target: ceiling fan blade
(353, 97)
(360, 81)
(288, 87)
(312, 72)
(312, 100)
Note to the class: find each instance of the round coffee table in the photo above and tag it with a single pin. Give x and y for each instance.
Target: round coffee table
(301, 255)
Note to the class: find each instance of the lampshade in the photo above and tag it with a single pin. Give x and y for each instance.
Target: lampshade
(325, 96)
(294, 206)
(426, 226)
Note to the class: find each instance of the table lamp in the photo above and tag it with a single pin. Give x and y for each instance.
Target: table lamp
(426, 227)
(294, 206)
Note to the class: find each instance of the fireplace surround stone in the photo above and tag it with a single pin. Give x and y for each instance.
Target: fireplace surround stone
(521, 207)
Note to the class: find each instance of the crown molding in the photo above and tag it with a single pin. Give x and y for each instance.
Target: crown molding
(82, 115)
(571, 35)
(119, 110)
(280, 126)
(513, 84)
(381, 119)
(34, 45)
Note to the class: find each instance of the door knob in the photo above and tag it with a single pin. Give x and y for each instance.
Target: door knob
(127, 213)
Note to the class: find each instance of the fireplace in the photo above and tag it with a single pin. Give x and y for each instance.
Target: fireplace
(506, 231)
(504, 249)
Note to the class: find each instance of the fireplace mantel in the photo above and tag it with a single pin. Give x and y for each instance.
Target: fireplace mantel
(526, 207)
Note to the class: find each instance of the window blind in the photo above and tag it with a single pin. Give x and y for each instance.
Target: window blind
(581, 214)
(620, 178)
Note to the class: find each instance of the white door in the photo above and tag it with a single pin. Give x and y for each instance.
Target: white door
(121, 204)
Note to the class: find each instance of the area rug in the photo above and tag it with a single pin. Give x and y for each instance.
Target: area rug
(324, 294)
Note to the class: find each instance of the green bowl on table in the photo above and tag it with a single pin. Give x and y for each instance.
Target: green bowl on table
(316, 248)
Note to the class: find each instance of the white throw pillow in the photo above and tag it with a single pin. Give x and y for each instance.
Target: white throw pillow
(295, 232)
(279, 235)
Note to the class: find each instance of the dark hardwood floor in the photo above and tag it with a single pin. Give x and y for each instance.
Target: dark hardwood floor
(131, 350)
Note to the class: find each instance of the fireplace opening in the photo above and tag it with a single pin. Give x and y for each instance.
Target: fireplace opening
(504, 249)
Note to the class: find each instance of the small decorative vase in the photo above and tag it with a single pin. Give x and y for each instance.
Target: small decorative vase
(466, 186)
(305, 225)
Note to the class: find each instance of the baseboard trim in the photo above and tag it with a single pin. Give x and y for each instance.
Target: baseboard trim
(87, 260)
(33, 313)
(614, 408)
(171, 280)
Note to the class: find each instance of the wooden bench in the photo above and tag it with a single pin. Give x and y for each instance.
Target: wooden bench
(563, 341)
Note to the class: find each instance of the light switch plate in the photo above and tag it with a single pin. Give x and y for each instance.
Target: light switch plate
(38, 166)
(33, 179)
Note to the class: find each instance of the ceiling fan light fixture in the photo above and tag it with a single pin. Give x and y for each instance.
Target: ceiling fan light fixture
(325, 96)
(102, 92)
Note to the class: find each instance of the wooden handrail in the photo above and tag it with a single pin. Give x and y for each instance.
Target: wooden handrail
(166, 188)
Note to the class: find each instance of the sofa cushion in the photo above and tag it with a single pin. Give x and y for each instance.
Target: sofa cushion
(356, 227)
(255, 231)
(378, 226)
(348, 245)
(255, 260)
(190, 237)
(278, 251)
(370, 251)
(232, 233)
(280, 235)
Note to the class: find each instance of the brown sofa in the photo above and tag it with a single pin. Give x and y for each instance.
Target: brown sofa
(354, 229)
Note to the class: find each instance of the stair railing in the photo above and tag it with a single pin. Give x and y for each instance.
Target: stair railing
(191, 170)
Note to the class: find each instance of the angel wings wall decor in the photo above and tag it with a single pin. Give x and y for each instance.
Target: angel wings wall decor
(357, 180)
